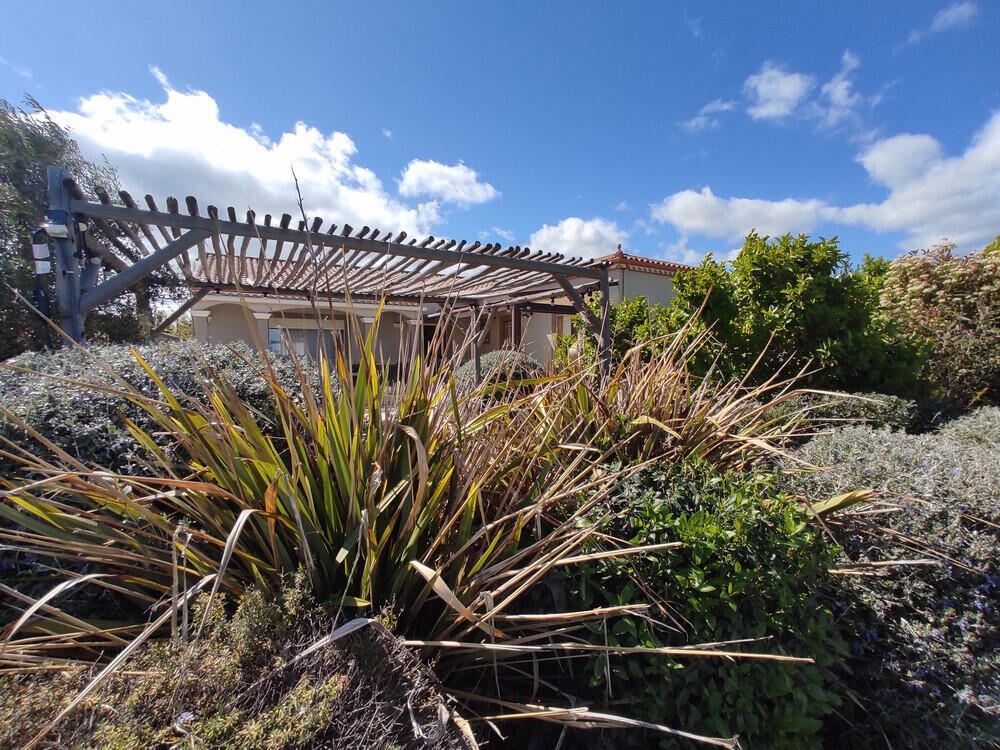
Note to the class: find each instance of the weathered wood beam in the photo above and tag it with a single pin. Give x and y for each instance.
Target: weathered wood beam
(539, 307)
(188, 304)
(334, 296)
(98, 210)
(593, 323)
(135, 273)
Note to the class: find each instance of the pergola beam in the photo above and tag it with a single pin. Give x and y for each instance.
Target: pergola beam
(139, 270)
(321, 295)
(190, 302)
(327, 266)
(280, 234)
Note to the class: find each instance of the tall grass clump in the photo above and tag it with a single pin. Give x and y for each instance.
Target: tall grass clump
(449, 510)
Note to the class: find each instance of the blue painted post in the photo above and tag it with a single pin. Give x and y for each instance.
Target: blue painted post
(63, 230)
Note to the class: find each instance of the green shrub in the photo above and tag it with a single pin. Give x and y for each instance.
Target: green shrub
(502, 364)
(633, 322)
(874, 409)
(751, 566)
(925, 650)
(950, 306)
(88, 423)
(804, 302)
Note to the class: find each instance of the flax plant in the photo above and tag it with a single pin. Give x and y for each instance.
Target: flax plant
(396, 493)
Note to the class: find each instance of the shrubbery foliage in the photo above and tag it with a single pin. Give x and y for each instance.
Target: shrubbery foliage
(751, 566)
(805, 304)
(502, 364)
(88, 422)
(949, 306)
(925, 640)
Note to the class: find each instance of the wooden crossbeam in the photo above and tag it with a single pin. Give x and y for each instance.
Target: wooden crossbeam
(194, 221)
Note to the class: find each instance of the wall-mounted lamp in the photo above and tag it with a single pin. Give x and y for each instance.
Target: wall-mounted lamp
(40, 251)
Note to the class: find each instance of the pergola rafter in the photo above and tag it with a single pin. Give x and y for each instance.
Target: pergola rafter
(224, 254)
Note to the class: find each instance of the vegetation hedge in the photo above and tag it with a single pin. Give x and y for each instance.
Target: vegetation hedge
(949, 306)
(502, 364)
(873, 409)
(751, 566)
(88, 423)
(925, 650)
(797, 303)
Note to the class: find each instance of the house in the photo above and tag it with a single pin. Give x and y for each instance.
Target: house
(292, 319)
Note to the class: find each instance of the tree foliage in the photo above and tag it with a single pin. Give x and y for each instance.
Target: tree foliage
(30, 141)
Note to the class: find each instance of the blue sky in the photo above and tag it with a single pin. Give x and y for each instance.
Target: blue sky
(671, 127)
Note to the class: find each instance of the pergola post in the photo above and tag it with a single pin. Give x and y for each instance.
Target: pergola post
(65, 234)
(600, 327)
(604, 342)
(480, 336)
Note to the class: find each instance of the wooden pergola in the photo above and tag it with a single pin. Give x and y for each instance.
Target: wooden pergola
(224, 253)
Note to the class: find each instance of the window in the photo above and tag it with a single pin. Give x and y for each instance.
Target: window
(274, 340)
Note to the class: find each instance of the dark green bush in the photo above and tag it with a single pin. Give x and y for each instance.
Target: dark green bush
(925, 641)
(502, 364)
(804, 303)
(88, 423)
(633, 321)
(752, 566)
(874, 409)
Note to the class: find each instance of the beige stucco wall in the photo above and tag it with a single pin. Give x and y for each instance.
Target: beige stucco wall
(658, 289)
(218, 320)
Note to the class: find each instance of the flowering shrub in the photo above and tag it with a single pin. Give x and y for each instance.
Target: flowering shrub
(949, 306)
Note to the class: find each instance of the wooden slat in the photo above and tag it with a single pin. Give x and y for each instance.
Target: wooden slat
(285, 221)
(502, 260)
(143, 227)
(164, 232)
(243, 249)
(123, 227)
(192, 207)
(262, 256)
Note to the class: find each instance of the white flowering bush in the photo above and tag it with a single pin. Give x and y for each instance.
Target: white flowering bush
(949, 306)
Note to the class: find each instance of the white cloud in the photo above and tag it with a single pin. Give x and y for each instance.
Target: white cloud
(623, 206)
(930, 196)
(182, 146)
(840, 100)
(505, 234)
(589, 238)
(956, 14)
(454, 183)
(704, 119)
(704, 213)
(386, 133)
(900, 159)
(950, 17)
(775, 94)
